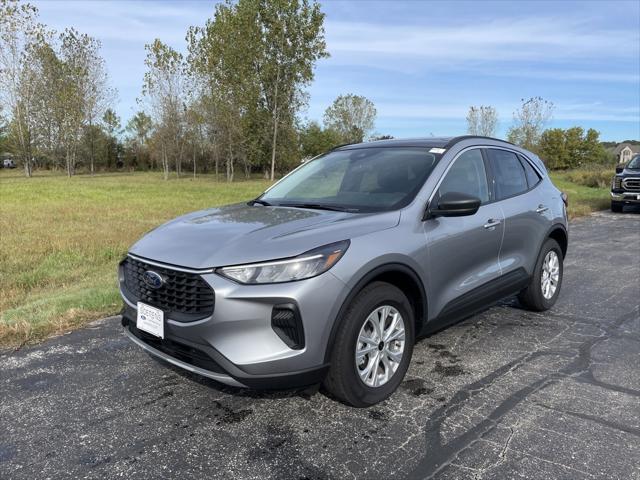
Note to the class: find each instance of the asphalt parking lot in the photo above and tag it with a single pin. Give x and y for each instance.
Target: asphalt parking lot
(505, 394)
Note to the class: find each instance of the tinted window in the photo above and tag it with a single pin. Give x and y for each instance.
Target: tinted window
(467, 175)
(532, 176)
(508, 173)
(363, 179)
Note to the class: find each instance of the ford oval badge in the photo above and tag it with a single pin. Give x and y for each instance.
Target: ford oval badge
(152, 279)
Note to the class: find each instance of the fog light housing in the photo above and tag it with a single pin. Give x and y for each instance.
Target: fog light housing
(286, 322)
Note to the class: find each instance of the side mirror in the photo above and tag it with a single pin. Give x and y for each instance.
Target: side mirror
(620, 168)
(454, 204)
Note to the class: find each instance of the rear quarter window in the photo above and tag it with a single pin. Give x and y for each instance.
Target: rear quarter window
(508, 173)
(533, 178)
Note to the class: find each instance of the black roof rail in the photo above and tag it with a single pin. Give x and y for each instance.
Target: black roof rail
(455, 140)
(344, 145)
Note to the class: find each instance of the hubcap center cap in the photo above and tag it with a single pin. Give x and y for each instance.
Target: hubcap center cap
(380, 345)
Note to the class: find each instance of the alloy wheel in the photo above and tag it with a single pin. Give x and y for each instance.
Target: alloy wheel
(380, 346)
(550, 275)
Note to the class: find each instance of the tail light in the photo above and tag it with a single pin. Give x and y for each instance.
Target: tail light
(565, 199)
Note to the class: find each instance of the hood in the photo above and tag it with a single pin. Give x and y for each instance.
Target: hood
(242, 233)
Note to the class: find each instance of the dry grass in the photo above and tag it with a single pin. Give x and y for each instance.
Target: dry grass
(61, 240)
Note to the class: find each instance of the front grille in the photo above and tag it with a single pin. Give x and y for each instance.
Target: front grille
(177, 350)
(632, 184)
(183, 297)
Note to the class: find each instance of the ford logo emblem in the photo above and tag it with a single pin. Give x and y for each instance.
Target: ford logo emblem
(152, 279)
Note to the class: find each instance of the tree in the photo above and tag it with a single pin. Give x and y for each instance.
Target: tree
(79, 59)
(482, 120)
(561, 149)
(164, 87)
(529, 122)
(352, 116)
(315, 140)
(111, 123)
(292, 42)
(251, 63)
(139, 127)
(18, 30)
(97, 96)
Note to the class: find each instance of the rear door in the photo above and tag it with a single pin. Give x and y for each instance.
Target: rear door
(516, 191)
(463, 251)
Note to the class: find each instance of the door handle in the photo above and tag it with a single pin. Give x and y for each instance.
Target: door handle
(541, 209)
(491, 223)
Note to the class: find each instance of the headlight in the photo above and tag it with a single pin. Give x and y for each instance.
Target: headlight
(617, 183)
(309, 264)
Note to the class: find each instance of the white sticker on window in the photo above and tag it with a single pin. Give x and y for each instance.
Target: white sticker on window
(437, 150)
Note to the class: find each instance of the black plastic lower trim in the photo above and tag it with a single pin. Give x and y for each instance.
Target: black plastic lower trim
(478, 299)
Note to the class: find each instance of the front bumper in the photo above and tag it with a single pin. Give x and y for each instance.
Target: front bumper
(238, 338)
(626, 197)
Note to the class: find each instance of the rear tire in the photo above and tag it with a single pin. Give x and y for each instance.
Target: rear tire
(616, 207)
(544, 287)
(347, 376)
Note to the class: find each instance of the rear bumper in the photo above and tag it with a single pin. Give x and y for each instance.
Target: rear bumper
(208, 362)
(626, 197)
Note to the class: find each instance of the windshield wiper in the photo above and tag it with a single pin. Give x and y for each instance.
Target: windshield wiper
(319, 206)
(259, 202)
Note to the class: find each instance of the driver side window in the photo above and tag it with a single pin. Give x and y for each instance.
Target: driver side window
(467, 175)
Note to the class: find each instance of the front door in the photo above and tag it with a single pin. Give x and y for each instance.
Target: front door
(463, 252)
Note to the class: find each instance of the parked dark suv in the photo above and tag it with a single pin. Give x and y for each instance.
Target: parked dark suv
(331, 274)
(625, 187)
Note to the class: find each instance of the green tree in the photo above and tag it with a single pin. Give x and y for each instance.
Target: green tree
(292, 42)
(111, 123)
(139, 128)
(562, 149)
(315, 140)
(251, 63)
(352, 116)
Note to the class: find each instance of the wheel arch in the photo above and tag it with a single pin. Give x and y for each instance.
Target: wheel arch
(397, 274)
(559, 233)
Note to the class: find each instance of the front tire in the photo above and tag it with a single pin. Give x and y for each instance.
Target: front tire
(616, 207)
(373, 346)
(544, 287)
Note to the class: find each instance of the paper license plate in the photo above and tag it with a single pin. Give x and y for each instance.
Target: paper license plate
(150, 320)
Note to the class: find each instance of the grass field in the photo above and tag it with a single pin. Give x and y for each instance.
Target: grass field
(584, 199)
(62, 238)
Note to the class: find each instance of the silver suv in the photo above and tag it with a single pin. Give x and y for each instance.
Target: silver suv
(330, 275)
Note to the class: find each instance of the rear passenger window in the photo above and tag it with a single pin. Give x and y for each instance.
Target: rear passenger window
(508, 173)
(532, 176)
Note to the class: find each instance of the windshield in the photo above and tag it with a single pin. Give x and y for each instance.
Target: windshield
(634, 162)
(363, 179)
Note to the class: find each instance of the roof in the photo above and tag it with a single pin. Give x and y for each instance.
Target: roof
(433, 142)
(621, 146)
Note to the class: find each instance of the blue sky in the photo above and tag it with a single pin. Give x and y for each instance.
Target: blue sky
(422, 63)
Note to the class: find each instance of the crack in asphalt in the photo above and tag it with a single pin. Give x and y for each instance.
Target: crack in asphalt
(441, 455)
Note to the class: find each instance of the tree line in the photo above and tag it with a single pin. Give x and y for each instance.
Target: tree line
(232, 103)
(558, 148)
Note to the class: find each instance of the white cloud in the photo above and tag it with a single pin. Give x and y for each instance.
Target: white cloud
(500, 40)
(595, 111)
